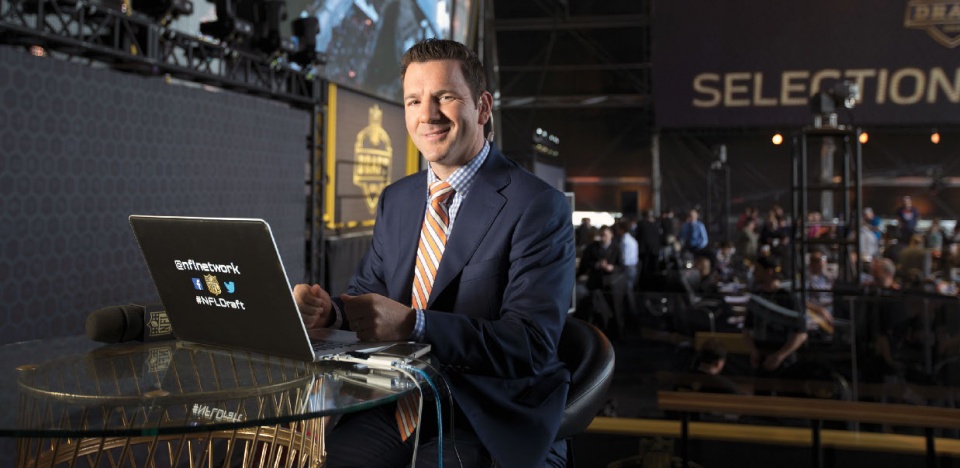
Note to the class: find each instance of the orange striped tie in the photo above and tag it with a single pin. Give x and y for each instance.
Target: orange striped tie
(433, 238)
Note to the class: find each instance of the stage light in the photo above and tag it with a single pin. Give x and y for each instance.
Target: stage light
(164, 11)
(935, 137)
(864, 137)
(777, 139)
(305, 32)
(266, 17)
(844, 94)
(228, 27)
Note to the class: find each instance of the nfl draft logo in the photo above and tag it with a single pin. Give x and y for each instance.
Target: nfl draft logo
(212, 284)
(940, 18)
(373, 154)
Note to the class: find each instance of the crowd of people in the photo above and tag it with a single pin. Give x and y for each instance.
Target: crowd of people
(620, 264)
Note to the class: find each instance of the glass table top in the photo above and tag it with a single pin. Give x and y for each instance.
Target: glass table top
(73, 387)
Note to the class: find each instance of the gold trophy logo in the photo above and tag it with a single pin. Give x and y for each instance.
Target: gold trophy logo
(373, 155)
(940, 18)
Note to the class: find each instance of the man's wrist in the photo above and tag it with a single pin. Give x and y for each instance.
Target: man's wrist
(419, 325)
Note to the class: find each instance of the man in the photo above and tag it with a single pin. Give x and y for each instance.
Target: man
(693, 234)
(819, 295)
(499, 295)
(772, 337)
(748, 241)
(648, 244)
(630, 251)
(907, 218)
(584, 233)
(602, 264)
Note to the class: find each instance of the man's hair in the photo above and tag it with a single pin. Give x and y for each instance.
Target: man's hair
(711, 352)
(430, 50)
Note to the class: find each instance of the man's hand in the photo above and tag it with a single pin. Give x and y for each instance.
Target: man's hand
(773, 361)
(314, 304)
(377, 318)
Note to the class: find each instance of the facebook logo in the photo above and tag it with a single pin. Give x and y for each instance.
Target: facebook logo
(197, 284)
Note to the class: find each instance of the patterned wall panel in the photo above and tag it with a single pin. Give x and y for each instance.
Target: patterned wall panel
(81, 148)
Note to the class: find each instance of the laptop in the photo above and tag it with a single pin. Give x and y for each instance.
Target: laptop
(222, 283)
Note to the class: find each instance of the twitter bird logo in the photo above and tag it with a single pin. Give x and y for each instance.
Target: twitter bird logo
(230, 286)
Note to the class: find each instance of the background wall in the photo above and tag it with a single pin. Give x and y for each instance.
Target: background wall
(83, 148)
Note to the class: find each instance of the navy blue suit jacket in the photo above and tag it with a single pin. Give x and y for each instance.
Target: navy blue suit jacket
(498, 303)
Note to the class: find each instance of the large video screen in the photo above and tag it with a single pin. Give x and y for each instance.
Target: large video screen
(363, 40)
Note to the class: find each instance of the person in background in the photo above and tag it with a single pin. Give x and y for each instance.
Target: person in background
(933, 239)
(907, 218)
(869, 242)
(873, 223)
(913, 263)
(693, 234)
(629, 250)
(630, 256)
(819, 295)
(602, 264)
(709, 363)
(748, 213)
(472, 256)
(648, 244)
(773, 344)
(584, 232)
(748, 240)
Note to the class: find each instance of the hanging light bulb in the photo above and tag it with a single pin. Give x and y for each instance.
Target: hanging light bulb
(935, 137)
(777, 139)
(864, 137)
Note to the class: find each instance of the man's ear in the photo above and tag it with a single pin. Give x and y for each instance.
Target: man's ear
(486, 107)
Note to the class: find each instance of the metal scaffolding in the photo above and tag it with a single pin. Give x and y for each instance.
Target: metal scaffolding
(134, 42)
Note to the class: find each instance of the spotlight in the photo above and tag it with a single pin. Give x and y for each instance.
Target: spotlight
(864, 137)
(228, 27)
(266, 17)
(935, 137)
(305, 32)
(777, 139)
(164, 11)
(844, 94)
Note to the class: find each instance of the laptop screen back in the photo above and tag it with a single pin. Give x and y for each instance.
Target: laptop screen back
(222, 283)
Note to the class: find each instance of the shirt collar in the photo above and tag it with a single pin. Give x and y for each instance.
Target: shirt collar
(462, 179)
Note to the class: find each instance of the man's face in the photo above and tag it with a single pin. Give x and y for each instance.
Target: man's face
(443, 120)
(606, 236)
(816, 264)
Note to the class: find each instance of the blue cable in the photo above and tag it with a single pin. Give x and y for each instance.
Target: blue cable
(436, 398)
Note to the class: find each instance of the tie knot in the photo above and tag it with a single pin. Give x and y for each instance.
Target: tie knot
(440, 191)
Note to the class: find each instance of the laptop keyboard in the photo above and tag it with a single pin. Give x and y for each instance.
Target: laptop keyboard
(326, 345)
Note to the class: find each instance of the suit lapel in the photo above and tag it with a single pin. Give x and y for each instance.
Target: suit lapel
(474, 219)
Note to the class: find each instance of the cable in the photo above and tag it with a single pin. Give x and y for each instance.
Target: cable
(453, 427)
(406, 368)
(402, 366)
(416, 438)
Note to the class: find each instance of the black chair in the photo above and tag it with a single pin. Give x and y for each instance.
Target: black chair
(589, 356)
(690, 280)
